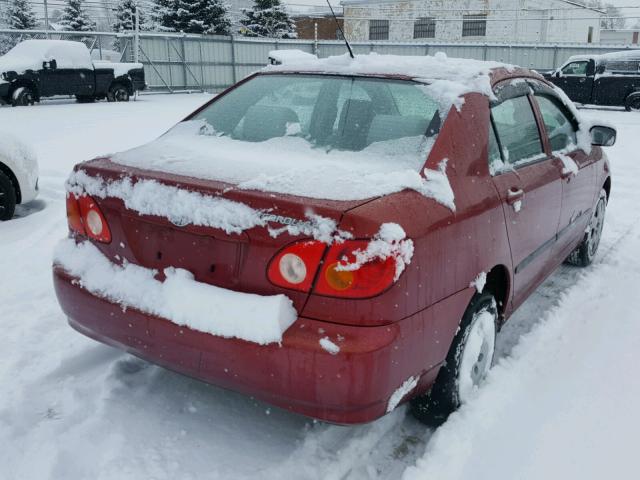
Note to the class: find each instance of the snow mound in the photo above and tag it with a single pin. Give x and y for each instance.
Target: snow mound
(119, 69)
(180, 299)
(329, 346)
(278, 57)
(320, 228)
(389, 242)
(288, 165)
(479, 282)
(180, 206)
(406, 387)
(183, 207)
(30, 54)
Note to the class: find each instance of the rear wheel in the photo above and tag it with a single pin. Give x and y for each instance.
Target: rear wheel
(632, 103)
(118, 93)
(584, 253)
(7, 197)
(22, 97)
(467, 364)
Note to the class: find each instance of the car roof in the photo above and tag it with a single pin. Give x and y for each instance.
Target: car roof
(450, 76)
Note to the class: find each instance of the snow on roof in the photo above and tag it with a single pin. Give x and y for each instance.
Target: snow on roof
(448, 78)
(30, 54)
(632, 54)
(278, 57)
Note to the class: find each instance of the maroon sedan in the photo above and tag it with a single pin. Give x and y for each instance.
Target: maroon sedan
(338, 236)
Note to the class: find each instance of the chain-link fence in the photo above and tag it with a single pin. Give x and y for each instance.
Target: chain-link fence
(178, 62)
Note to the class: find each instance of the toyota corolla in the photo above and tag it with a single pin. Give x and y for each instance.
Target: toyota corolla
(337, 236)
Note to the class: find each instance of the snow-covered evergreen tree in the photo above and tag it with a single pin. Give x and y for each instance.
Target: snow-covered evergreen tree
(75, 18)
(209, 17)
(267, 18)
(20, 15)
(17, 15)
(125, 13)
(193, 16)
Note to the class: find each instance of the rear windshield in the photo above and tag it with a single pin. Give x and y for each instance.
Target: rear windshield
(320, 136)
(328, 112)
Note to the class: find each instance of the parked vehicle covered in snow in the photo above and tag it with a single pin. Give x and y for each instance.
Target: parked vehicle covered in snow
(612, 79)
(18, 175)
(34, 69)
(337, 236)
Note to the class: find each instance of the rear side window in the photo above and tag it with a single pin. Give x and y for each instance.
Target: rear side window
(560, 128)
(517, 131)
(622, 66)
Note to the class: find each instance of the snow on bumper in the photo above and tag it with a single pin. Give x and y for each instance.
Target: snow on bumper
(179, 299)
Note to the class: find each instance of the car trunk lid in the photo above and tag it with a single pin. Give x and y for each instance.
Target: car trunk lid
(233, 260)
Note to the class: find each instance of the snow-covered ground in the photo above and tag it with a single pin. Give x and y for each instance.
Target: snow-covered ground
(562, 401)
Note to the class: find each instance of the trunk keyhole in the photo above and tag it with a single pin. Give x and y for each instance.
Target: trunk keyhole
(159, 255)
(212, 268)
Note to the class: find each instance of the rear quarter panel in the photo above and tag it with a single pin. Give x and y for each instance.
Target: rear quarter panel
(451, 247)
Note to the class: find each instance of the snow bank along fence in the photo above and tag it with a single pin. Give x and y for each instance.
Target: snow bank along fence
(178, 62)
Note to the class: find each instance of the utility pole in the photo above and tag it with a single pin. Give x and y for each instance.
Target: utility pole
(46, 18)
(136, 37)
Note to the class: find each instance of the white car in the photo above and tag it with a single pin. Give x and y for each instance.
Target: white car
(18, 174)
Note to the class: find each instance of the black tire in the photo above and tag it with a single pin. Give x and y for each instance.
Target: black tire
(448, 392)
(584, 253)
(23, 97)
(7, 198)
(118, 93)
(85, 98)
(632, 102)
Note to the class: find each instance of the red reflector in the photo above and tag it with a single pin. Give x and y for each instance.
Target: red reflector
(74, 218)
(296, 265)
(369, 280)
(95, 225)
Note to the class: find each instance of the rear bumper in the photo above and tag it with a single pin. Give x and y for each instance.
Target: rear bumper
(352, 386)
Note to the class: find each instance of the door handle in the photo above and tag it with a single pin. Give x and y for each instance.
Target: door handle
(514, 194)
(582, 80)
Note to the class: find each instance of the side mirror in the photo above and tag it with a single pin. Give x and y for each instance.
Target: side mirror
(50, 65)
(602, 136)
(558, 74)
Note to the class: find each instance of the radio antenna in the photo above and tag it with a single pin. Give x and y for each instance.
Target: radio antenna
(344, 37)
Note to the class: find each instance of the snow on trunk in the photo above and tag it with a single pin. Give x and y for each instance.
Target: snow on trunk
(179, 299)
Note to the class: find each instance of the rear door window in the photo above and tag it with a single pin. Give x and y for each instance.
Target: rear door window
(560, 126)
(517, 131)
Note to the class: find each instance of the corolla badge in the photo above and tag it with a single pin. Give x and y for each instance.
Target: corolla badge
(271, 217)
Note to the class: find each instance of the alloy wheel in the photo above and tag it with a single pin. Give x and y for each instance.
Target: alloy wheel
(595, 228)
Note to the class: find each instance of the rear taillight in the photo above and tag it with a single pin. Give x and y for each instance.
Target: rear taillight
(73, 215)
(367, 280)
(85, 218)
(296, 267)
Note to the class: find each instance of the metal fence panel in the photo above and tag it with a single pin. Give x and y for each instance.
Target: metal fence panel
(177, 61)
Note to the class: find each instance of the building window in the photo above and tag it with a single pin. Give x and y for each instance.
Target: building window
(424, 27)
(378, 29)
(474, 25)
